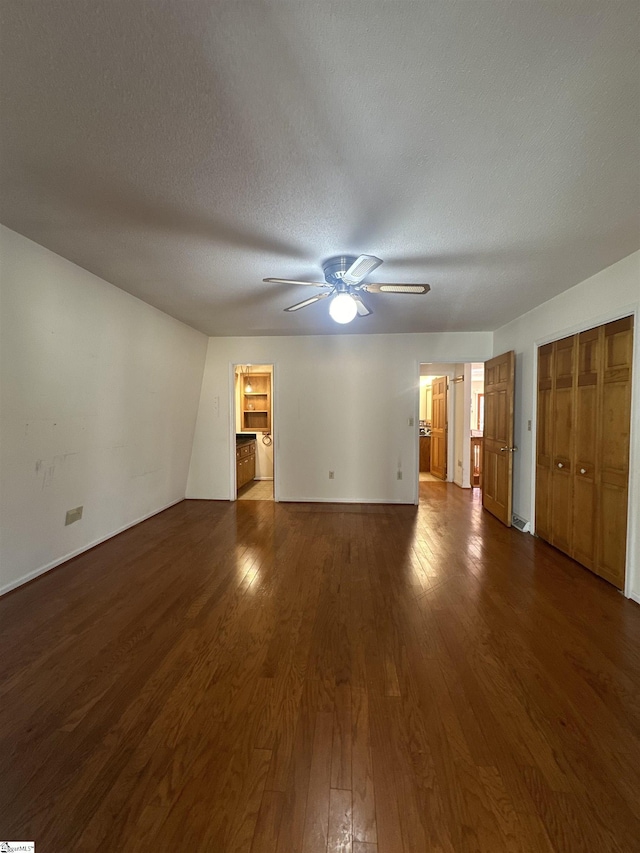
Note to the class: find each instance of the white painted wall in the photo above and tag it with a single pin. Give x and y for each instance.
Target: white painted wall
(477, 388)
(461, 462)
(99, 395)
(341, 403)
(425, 394)
(612, 293)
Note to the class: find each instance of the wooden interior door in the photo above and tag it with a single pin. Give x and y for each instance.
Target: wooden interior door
(586, 443)
(544, 445)
(439, 427)
(582, 470)
(564, 355)
(615, 428)
(497, 473)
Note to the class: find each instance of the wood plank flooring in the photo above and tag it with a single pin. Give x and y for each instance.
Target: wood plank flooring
(304, 678)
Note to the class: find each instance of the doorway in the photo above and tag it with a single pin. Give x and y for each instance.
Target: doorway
(451, 419)
(253, 428)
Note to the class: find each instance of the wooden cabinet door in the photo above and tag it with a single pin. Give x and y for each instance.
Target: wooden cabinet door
(586, 439)
(544, 439)
(615, 426)
(425, 453)
(497, 469)
(439, 427)
(564, 353)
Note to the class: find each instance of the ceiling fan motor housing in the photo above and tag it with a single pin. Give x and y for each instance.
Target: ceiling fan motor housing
(335, 268)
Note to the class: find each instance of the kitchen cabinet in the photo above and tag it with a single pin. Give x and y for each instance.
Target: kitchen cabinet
(256, 404)
(582, 454)
(245, 463)
(425, 453)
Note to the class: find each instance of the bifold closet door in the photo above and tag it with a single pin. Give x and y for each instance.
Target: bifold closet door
(564, 353)
(615, 426)
(582, 453)
(544, 448)
(587, 439)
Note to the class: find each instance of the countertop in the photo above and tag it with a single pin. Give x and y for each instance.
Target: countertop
(244, 437)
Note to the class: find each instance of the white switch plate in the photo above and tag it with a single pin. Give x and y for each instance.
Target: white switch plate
(411, 421)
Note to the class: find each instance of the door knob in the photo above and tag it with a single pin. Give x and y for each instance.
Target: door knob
(560, 465)
(583, 470)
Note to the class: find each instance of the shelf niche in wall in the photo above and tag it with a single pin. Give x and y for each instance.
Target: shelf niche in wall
(256, 404)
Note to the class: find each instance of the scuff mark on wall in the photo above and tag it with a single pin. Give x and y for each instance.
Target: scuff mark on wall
(146, 473)
(46, 469)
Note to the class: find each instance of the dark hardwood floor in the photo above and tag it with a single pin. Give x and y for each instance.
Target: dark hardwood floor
(297, 678)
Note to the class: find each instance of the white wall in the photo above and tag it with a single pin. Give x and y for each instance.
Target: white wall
(99, 395)
(461, 461)
(341, 403)
(612, 293)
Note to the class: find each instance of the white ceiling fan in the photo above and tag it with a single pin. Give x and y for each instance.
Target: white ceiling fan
(344, 280)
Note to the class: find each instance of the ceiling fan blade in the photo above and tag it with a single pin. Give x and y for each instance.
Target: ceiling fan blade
(306, 302)
(396, 288)
(363, 309)
(295, 281)
(360, 268)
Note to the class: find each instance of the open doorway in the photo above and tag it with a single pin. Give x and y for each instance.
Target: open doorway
(253, 421)
(451, 413)
(477, 423)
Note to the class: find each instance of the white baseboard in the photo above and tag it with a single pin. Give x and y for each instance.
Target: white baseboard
(342, 501)
(634, 596)
(43, 569)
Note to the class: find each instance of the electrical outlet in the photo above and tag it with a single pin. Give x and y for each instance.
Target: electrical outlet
(399, 475)
(529, 426)
(332, 475)
(73, 515)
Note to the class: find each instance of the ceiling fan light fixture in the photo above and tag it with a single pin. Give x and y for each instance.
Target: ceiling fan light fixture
(343, 308)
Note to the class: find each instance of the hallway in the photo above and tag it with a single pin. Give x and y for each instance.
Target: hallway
(258, 677)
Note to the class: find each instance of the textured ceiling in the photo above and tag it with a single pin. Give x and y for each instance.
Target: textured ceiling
(185, 150)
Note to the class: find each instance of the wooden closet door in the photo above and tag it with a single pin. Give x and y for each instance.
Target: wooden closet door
(561, 516)
(544, 441)
(615, 426)
(585, 460)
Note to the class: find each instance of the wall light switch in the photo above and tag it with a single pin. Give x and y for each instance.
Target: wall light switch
(529, 426)
(399, 475)
(411, 421)
(331, 475)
